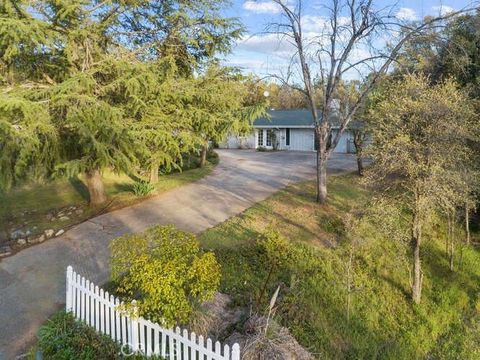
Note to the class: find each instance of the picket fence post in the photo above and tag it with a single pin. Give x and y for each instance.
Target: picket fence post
(134, 327)
(236, 352)
(68, 300)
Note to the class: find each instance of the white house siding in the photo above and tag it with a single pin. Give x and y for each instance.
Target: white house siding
(238, 142)
(345, 145)
(301, 139)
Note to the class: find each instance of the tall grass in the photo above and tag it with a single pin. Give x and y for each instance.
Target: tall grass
(382, 322)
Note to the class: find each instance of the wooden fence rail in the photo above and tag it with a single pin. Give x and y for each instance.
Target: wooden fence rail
(97, 308)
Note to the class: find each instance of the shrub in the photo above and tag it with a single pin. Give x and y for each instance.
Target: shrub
(192, 160)
(62, 337)
(278, 252)
(165, 271)
(276, 247)
(142, 188)
(262, 149)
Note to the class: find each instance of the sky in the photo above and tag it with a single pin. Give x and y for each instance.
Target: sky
(262, 54)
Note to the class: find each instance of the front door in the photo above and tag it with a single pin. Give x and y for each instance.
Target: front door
(266, 138)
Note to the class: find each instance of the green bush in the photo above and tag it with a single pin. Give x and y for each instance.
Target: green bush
(64, 338)
(142, 188)
(164, 270)
(278, 252)
(192, 160)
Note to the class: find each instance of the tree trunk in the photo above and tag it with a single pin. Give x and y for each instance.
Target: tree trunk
(360, 164)
(265, 284)
(449, 231)
(95, 187)
(467, 224)
(154, 174)
(203, 158)
(358, 142)
(321, 178)
(452, 241)
(417, 266)
(321, 138)
(451, 255)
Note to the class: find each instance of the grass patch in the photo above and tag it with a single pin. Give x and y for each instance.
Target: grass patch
(27, 206)
(381, 322)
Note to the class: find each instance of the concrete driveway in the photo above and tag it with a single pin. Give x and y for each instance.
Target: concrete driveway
(32, 281)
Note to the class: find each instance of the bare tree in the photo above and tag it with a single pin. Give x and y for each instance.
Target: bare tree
(354, 36)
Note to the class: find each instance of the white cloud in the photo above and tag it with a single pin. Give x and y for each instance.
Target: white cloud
(260, 7)
(270, 44)
(313, 23)
(320, 24)
(443, 10)
(407, 14)
(249, 64)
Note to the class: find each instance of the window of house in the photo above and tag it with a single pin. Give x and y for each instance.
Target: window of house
(287, 137)
(269, 137)
(260, 137)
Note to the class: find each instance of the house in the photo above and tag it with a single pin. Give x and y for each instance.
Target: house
(287, 130)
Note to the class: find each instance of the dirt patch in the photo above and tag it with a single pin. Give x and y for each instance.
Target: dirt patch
(262, 340)
(258, 341)
(216, 318)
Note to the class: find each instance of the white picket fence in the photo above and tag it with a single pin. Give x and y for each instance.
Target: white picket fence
(98, 309)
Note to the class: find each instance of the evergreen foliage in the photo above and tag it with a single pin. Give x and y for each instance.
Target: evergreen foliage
(28, 140)
(87, 86)
(219, 105)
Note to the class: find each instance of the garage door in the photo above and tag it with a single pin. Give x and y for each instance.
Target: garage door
(301, 139)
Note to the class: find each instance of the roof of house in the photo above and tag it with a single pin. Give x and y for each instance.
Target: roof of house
(288, 118)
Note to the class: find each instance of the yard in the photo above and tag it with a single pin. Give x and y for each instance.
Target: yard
(104, 106)
(347, 292)
(32, 208)
(380, 321)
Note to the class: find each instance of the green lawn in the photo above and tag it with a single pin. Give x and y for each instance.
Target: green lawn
(27, 206)
(382, 321)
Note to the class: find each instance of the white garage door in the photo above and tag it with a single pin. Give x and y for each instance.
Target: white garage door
(301, 139)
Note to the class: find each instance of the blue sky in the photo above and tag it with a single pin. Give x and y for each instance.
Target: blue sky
(262, 53)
